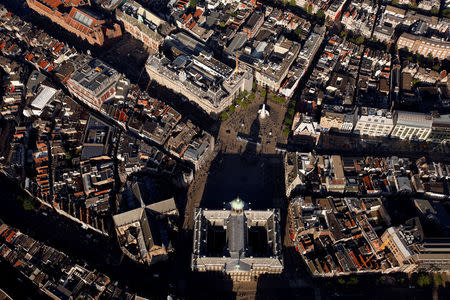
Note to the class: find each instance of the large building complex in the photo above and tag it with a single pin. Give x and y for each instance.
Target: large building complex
(193, 72)
(412, 125)
(240, 243)
(397, 245)
(93, 81)
(142, 232)
(275, 67)
(141, 24)
(424, 46)
(373, 122)
(440, 131)
(76, 18)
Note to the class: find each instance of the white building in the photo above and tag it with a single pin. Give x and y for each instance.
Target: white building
(412, 125)
(374, 122)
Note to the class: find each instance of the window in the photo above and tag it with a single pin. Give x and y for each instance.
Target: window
(83, 19)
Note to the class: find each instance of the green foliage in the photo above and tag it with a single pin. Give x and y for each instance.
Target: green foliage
(263, 93)
(413, 5)
(438, 280)
(231, 109)
(245, 103)
(341, 281)
(278, 99)
(254, 85)
(298, 31)
(222, 24)
(395, 2)
(436, 68)
(423, 280)
(193, 3)
(434, 11)
(244, 94)
(359, 40)
(343, 34)
(27, 202)
(224, 116)
(320, 14)
(251, 97)
(291, 112)
(352, 281)
(292, 3)
(310, 9)
(286, 130)
(446, 12)
(415, 81)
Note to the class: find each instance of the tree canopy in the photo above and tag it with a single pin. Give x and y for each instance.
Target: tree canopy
(320, 14)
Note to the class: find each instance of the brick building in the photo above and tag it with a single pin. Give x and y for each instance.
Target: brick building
(77, 19)
(424, 46)
(93, 82)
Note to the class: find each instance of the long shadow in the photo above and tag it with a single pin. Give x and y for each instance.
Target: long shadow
(255, 178)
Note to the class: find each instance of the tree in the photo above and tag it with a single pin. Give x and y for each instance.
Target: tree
(423, 280)
(251, 97)
(279, 99)
(263, 93)
(291, 112)
(224, 116)
(352, 281)
(193, 3)
(320, 14)
(288, 122)
(446, 12)
(359, 40)
(438, 280)
(27, 202)
(310, 9)
(292, 3)
(343, 34)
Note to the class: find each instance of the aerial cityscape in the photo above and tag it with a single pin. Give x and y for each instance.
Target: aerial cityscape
(223, 149)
